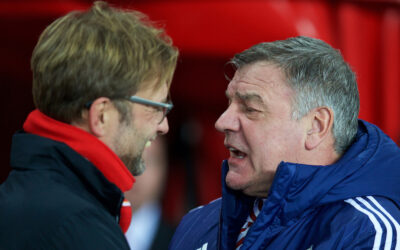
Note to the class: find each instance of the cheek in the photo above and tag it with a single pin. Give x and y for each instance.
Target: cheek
(146, 128)
(269, 146)
(284, 144)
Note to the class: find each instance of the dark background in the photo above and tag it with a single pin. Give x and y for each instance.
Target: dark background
(208, 34)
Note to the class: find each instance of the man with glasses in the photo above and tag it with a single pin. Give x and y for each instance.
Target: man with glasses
(101, 81)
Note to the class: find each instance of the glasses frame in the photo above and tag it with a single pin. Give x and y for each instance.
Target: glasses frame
(167, 107)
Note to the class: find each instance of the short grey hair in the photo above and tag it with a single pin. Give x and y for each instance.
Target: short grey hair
(319, 76)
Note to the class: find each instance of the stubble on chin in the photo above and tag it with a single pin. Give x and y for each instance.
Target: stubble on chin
(135, 165)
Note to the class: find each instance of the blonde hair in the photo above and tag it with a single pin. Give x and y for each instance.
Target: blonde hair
(100, 52)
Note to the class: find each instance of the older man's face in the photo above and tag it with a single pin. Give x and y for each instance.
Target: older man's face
(259, 131)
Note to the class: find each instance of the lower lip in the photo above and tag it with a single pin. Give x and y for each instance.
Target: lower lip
(235, 160)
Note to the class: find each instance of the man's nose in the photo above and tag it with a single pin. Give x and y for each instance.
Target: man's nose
(228, 121)
(163, 127)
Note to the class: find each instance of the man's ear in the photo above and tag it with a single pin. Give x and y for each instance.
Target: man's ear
(321, 123)
(99, 116)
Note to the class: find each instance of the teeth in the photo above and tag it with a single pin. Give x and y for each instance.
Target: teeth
(148, 143)
(238, 154)
(233, 150)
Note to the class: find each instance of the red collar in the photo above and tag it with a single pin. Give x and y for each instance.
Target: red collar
(85, 144)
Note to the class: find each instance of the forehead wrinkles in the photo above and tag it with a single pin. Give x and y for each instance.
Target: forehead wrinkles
(264, 80)
(262, 74)
(249, 84)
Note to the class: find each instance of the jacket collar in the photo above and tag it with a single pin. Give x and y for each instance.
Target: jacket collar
(94, 151)
(362, 170)
(85, 144)
(33, 152)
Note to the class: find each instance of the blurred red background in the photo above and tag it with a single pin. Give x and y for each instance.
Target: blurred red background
(208, 34)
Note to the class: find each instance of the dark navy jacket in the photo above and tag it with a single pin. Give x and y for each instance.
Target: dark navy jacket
(56, 199)
(352, 204)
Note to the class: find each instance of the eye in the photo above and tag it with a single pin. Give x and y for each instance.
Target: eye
(160, 109)
(249, 110)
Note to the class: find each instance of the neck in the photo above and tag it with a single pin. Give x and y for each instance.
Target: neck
(324, 154)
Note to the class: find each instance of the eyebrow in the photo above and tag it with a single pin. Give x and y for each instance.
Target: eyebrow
(248, 97)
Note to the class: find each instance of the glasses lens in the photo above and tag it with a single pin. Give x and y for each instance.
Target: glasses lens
(164, 112)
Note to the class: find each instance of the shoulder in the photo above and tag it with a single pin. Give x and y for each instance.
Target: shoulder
(380, 215)
(45, 200)
(53, 214)
(85, 229)
(198, 228)
(203, 215)
(369, 221)
(378, 212)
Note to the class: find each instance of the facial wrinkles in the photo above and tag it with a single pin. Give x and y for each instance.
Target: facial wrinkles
(249, 87)
(260, 178)
(130, 143)
(246, 136)
(264, 138)
(136, 163)
(269, 95)
(262, 89)
(237, 137)
(237, 95)
(252, 100)
(123, 147)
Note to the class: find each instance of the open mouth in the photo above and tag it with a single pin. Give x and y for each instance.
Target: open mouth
(235, 153)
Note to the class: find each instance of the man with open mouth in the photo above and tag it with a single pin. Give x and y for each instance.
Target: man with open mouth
(303, 172)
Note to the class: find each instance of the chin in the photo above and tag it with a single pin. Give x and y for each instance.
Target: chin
(135, 165)
(235, 181)
(138, 167)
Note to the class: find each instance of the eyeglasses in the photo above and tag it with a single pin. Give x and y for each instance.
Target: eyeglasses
(165, 108)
